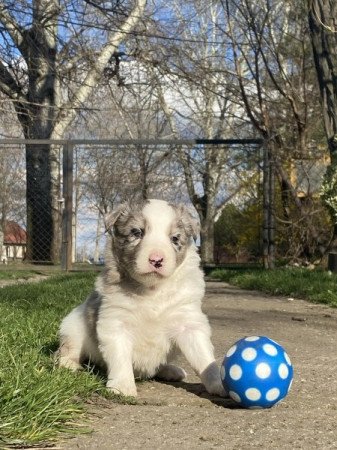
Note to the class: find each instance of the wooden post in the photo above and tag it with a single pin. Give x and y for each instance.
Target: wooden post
(67, 241)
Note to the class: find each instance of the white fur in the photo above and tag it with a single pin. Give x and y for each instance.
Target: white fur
(138, 330)
(159, 216)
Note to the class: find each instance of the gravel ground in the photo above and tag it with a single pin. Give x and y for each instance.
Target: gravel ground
(184, 416)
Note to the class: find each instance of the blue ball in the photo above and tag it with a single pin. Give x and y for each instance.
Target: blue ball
(257, 372)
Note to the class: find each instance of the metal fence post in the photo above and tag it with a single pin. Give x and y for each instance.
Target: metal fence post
(268, 233)
(67, 216)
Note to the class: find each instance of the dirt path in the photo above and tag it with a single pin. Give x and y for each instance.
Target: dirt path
(17, 281)
(183, 416)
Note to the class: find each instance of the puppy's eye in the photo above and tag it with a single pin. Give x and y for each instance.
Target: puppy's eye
(137, 233)
(175, 239)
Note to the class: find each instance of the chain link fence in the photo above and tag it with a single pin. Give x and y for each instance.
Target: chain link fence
(218, 172)
(13, 236)
(54, 196)
(31, 202)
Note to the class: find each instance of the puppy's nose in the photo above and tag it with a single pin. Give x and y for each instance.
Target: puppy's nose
(156, 260)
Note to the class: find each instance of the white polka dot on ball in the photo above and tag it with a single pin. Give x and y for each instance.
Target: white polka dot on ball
(249, 354)
(291, 382)
(272, 394)
(252, 338)
(236, 397)
(231, 351)
(263, 370)
(287, 358)
(223, 372)
(235, 372)
(270, 349)
(253, 394)
(283, 371)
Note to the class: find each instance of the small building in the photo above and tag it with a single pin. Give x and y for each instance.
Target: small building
(14, 242)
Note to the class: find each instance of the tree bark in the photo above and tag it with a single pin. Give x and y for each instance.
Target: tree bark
(43, 207)
(42, 161)
(323, 32)
(207, 239)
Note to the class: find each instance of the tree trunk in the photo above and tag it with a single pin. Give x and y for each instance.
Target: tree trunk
(207, 241)
(322, 24)
(97, 238)
(43, 206)
(37, 119)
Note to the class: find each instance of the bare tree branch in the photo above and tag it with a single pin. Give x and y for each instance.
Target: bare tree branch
(12, 27)
(8, 84)
(68, 111)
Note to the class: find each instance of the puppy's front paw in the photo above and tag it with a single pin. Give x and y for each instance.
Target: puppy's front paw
(215, 387)
(68, 363)
(122, 387)
(169, 372)
(212, 380)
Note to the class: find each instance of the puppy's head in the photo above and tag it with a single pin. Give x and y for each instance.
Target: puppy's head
(150, 239)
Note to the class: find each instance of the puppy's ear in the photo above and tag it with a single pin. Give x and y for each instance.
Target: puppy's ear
(189, 220)
(111, 218)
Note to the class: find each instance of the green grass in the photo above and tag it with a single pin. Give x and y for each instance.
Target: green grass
(316, 286)
(37, 399)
